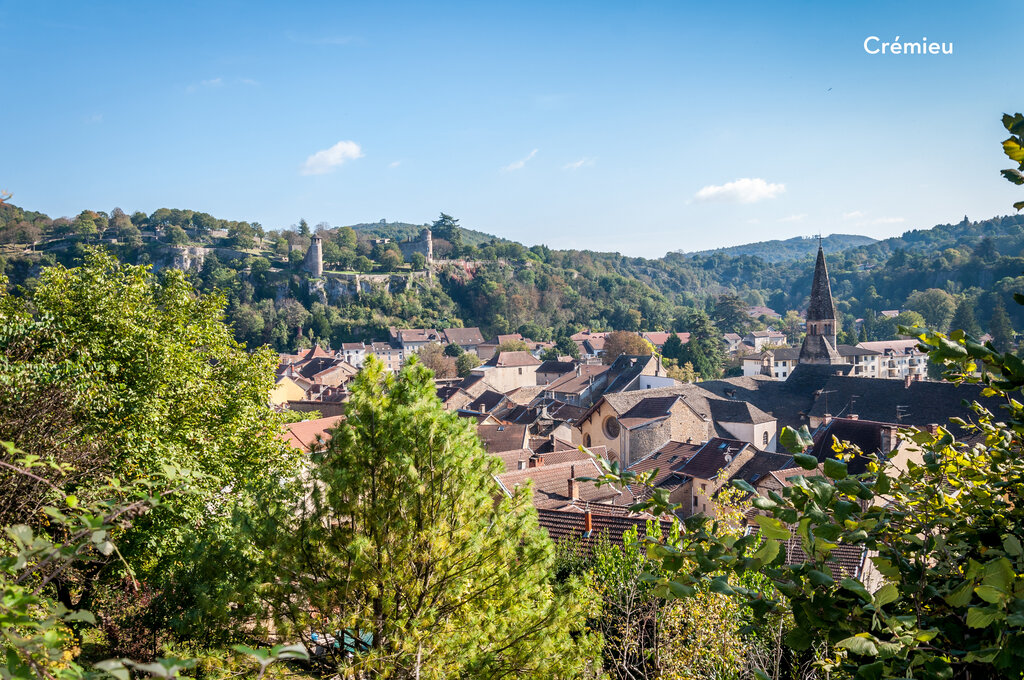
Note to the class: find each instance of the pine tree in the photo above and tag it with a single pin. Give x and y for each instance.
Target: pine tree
(407, 544)
(704, 350)
(963, 317)
(673, 347)
(1000, 328)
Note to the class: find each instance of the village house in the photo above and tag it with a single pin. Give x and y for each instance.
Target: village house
(411, 340)
(580, 386)
(469, 339)
(509, 370)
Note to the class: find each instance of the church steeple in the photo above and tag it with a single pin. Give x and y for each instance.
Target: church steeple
(820, 342)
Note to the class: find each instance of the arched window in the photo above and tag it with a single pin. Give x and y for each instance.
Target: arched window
(765, 438)
(586, 440)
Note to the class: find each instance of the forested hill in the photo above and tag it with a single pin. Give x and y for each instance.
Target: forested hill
(539, 292)
(791, 248)
(403, 231)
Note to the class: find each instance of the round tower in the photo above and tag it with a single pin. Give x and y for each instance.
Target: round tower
(314, 262)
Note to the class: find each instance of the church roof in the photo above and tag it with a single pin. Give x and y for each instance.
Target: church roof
(821, 307)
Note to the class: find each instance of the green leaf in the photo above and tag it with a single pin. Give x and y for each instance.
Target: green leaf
(71, 500)
(114, 667)
(1013, 175)
(768, 551)
(743, 485)
(1011, 544)
(772, 527)
(796, 441)
(990, 594)
(836, 469)
(856, 587)
(820, 578)
(961, 596)
(798, 639)
(806, 461)
(871, 671)
(982, 617)
(886, 594)
(861, 644)
(1013, 149)
(999, 574)
(721, 586)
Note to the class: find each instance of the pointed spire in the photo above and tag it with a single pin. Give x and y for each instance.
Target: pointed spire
(821, 307)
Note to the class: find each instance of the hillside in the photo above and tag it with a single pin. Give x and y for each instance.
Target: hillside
(403, 231)
(791, 248)
(539, 292)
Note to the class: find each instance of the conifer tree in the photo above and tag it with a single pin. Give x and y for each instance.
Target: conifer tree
(963, 317)
(410, 555)
(1000, 328)
(704, 350)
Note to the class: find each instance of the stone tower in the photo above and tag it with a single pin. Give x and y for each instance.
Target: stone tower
(314, 262)
(428, 240)
(820, 342)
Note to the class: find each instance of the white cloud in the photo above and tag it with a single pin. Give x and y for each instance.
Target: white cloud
(394, 164)
(326, 160)
(852, 215)
(212, 82)
(518, 165)
(744, 190)
(584, 162)
(793, 218)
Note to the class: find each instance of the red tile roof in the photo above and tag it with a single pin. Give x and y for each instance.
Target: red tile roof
(551, 484)
(307, 433)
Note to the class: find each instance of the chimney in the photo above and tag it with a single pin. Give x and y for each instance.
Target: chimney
(588, 522)
(826, 419)
(536, 461)
(579, 370)
(853, 416)
(574, 491)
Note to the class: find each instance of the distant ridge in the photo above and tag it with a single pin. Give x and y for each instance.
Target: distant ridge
(790, 249)
(401, 231)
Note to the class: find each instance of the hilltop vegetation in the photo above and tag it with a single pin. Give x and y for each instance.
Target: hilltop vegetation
(542, 293)
(792, 248)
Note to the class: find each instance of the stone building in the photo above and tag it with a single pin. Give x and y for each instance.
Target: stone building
(314, 261)
(424, 245)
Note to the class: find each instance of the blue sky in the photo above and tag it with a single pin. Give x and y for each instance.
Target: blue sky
(637, 127)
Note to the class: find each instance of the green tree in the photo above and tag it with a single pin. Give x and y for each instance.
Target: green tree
(454, 350)
(963, 317)
(731, 314)
(418, 262)
(704, 349)
(175, 235)
(406, 541)
(999, 327)
(1013, 147)
(465, 363)
(390, 260)
(347, 238)
(511, 346)
(242, 235)
(434, 357)
(567, 347)
(935, 305)
(304, 228)
(673, 347)
(147, 375)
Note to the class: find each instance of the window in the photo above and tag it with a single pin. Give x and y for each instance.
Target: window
(611, 427)
(586, 440)
(765, 438)
(520, 371)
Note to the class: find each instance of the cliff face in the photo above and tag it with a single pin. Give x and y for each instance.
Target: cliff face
(332, 287)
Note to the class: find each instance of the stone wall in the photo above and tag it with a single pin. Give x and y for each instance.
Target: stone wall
(334, 287)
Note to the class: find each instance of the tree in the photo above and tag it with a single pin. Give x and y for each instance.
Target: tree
(465, 363)
(242, 235)
(304, 228)
(935, 305)
(175, 235)
(1013, 147)
(566, 346)
(684, 373)
(704, 349)
(999, 327)
(792, 326)
(347, 238)
(406, 543)
(963, 317)
(943, 534)
(433, 357)
(618, 343)
(454, 350)
(140, 373)
(363, 264)
(673, 347)
(731, 314)
(418, 262)
(390, 260)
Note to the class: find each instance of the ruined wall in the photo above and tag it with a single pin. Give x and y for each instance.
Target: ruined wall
(332, 287)
(424, 245)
